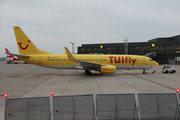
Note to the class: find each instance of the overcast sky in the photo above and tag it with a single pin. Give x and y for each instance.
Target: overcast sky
(51, 24)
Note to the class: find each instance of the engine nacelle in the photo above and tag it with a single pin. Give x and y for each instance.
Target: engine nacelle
(108, 69)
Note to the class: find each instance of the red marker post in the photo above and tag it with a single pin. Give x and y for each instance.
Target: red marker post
(52, 93)
(5, 96)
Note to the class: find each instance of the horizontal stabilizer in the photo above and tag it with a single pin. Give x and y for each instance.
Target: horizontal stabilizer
(19, 56)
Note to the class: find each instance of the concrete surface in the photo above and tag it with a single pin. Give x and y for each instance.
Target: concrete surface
(23, 80)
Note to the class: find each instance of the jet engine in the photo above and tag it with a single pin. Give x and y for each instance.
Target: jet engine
(108, 69)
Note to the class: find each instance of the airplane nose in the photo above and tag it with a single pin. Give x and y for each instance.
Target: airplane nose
(155, 63)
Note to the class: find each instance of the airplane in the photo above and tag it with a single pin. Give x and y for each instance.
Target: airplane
(87, 62)
(11, 58)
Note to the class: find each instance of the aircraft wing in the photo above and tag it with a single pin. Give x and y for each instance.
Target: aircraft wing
(82, 65)
(19, 56)
(89, 65)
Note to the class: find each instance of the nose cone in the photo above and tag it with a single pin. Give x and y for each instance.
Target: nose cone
(155, 63)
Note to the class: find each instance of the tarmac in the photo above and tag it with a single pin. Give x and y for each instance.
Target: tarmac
(24, 80)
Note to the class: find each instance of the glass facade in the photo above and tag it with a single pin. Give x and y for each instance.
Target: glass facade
(166, 49)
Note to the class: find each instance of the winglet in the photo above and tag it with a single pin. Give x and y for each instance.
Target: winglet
(70, 56)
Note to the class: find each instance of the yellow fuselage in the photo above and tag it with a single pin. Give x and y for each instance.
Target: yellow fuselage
(62, 61)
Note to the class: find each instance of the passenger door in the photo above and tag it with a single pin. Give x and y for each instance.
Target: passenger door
(40, 60)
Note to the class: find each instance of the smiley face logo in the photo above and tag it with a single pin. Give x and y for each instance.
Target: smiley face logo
(69, 57)
(24, 48)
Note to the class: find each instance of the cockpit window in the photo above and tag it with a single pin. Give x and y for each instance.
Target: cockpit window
(150, 60)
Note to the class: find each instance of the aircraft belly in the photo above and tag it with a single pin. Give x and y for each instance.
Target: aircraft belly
(76, 67)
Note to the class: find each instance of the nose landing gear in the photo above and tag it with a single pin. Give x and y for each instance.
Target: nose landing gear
(144, 71)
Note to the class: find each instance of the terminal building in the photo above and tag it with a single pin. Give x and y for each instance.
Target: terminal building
(165, 50)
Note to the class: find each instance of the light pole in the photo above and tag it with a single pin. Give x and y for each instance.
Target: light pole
(72, 47)
(125, 39)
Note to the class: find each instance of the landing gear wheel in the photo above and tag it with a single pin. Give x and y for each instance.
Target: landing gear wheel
(144, 71)
(88, 72)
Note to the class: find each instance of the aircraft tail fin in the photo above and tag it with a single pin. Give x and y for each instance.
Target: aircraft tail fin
(70, 56)
(7, 51)
(9, 54)
(25, 45)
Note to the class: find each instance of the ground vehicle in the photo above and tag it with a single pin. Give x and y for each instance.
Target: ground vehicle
(168, 69)
(12, 61)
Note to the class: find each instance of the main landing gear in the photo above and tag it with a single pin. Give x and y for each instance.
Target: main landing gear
(144, 71)
(88, 72)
